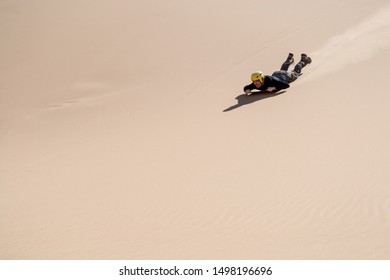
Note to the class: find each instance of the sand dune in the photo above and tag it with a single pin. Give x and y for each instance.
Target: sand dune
(125, 134)
(361, 42)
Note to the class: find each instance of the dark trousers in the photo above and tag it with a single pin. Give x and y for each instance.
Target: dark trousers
(286, 76)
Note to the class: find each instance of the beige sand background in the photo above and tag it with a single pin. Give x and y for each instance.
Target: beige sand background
(121, 138)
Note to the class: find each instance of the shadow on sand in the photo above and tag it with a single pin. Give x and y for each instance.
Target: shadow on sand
(244, 99)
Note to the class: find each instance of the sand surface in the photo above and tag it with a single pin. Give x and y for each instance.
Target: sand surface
(124, 133)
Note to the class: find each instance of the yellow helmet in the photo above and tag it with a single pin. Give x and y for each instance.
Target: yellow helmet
(258, 76)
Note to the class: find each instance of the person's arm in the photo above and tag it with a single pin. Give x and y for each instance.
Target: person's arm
(248, 88)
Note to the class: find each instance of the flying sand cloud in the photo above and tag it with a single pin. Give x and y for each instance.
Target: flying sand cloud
(356, 44)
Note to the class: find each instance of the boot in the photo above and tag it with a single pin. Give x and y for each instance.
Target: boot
(290, 58)
(305, 59)
(288, 62)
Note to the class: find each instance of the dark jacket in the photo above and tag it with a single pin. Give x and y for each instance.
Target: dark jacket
(269, 82)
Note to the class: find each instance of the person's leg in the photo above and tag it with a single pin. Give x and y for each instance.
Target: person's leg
(305, 60)
(289, 77)
(298, 67)
(285, 76)
(288, 62)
